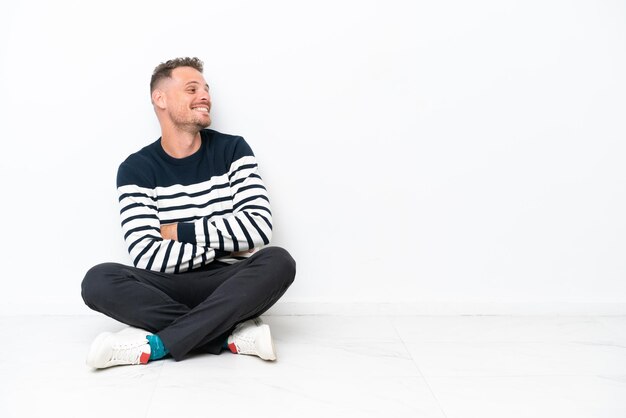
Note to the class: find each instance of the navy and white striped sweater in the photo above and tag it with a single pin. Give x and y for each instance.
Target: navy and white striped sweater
(216, 196)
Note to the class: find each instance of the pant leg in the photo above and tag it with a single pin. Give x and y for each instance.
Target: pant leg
(194, 310)
(131, 295)
(253, 286)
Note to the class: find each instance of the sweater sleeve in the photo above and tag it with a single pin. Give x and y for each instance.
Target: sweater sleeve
(142, 232)
(250, 223)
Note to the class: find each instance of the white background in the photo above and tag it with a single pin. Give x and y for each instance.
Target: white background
(452, 155)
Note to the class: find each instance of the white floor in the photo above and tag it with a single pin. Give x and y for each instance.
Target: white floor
(337, 366)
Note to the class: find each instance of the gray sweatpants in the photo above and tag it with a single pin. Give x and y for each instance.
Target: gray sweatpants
(193, 311)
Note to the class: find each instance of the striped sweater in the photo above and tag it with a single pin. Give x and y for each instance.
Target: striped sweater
(216, 196)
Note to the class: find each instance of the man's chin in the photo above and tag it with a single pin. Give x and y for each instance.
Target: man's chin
(192, 125)
(203, 124)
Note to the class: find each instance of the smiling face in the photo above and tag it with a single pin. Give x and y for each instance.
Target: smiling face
(183, 100)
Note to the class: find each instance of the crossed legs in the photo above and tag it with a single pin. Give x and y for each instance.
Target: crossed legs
(194, 311)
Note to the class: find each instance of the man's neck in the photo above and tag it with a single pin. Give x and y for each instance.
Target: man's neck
(180, 144)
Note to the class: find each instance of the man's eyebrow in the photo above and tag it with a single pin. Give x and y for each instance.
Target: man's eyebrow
(195, 82)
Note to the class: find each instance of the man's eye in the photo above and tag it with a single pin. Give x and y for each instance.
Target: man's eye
(191, 90)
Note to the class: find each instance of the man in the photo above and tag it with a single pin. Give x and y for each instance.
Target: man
(194, 210)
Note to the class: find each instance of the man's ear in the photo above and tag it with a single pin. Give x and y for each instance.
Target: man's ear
(158, 98)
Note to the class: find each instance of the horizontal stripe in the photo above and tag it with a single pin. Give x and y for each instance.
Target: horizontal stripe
(247, 160)
(249, 195)
(195, 194)
(245, 187)
(135, 194)
(248, 188)
(135, 205)
(241, 180)
(204, 205)
(192, 187)
(132, 189)
(256, 207)
(141, 228)
(238, 170)
(250, 199)
(195, 218)
(210, 212)
(143, 216)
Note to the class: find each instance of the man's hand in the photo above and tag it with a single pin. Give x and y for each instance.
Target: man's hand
(170, 231)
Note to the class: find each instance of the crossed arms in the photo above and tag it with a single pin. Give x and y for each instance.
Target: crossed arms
(236, 222)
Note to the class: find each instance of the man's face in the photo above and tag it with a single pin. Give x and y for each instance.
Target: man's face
(188, 102)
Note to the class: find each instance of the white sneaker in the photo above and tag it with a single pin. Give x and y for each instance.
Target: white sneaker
(129, 346)
(252, 337)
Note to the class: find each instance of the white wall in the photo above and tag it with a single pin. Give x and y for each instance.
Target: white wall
(438, 154)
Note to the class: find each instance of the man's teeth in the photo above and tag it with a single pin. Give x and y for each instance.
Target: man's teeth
(203, 109)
